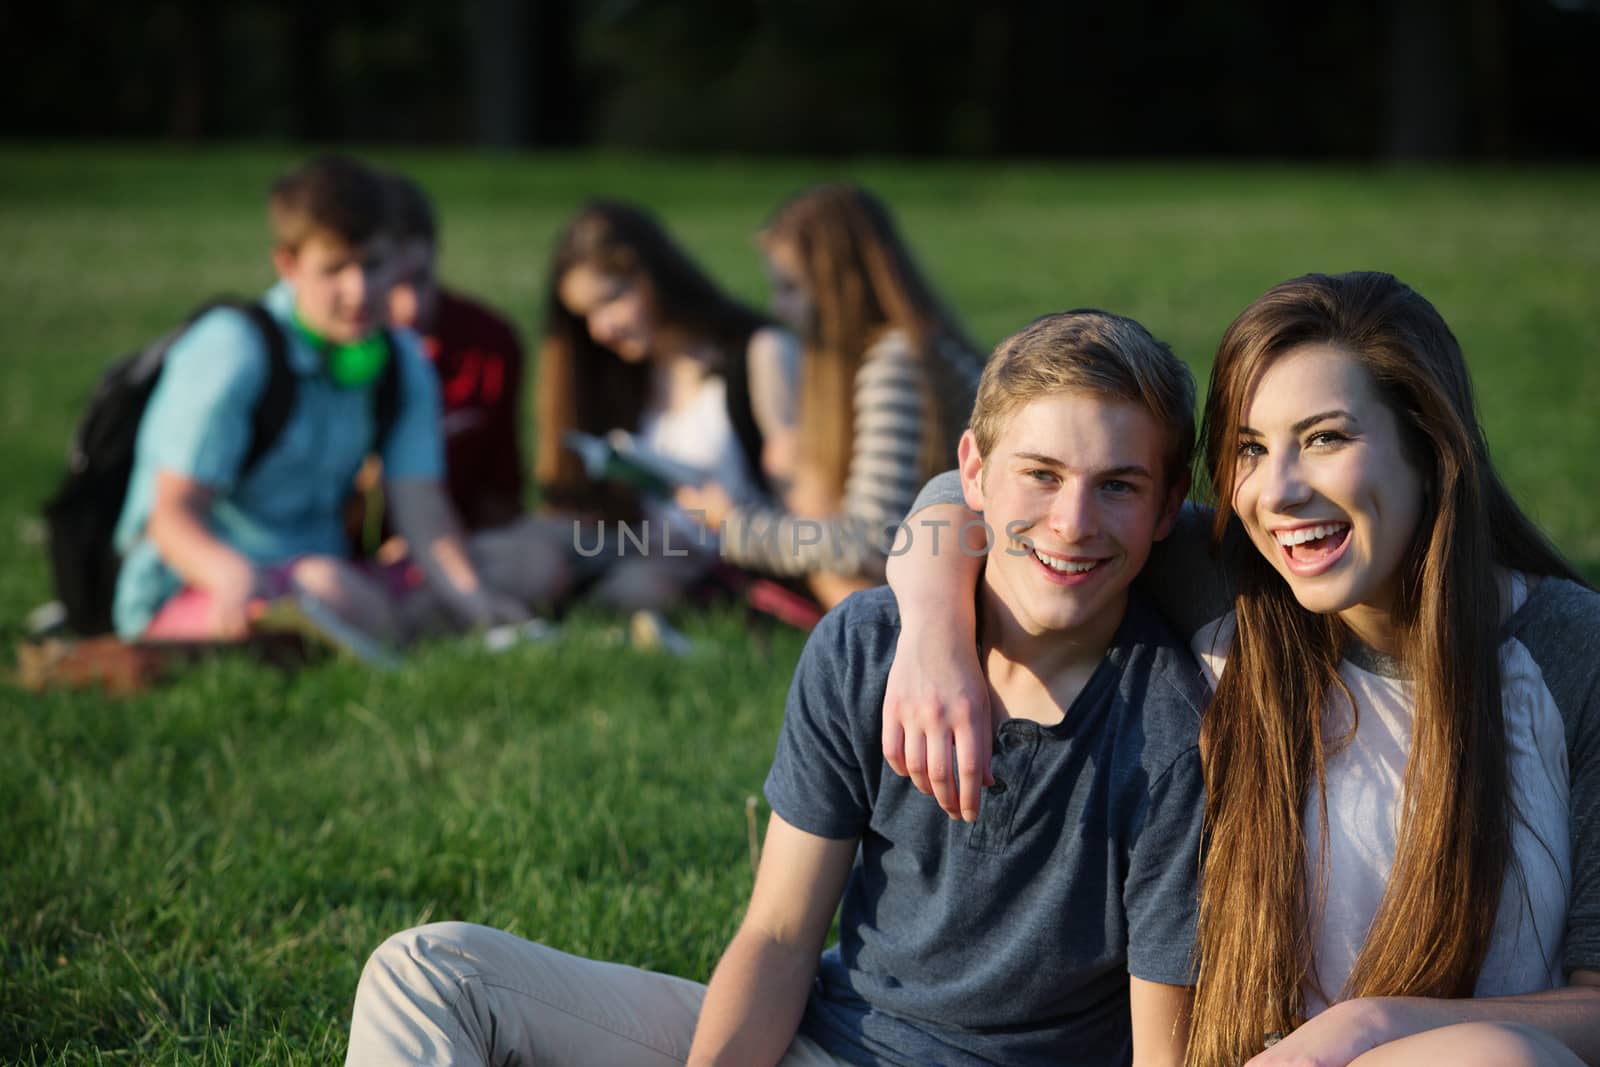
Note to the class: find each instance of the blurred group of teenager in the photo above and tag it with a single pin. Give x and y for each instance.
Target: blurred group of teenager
(388, 502)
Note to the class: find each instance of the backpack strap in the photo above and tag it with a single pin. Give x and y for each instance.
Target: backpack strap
(386, 395)
(277, 396)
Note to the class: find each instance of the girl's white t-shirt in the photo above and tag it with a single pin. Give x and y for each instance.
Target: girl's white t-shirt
(1364, 792)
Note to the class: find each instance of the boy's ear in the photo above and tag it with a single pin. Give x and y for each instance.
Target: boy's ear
(283, 260)
(1173, 504)
(971, 467)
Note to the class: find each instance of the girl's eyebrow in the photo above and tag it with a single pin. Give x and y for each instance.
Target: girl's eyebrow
(1307, 422)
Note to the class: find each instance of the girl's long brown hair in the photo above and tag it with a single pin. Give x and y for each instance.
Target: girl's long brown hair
(1262, 738)
(584, 386)
(863, 283)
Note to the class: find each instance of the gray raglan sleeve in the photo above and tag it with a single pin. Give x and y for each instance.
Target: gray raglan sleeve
(941, 489)
(1561, 628)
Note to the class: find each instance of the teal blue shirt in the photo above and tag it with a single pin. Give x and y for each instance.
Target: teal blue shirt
(198, 425)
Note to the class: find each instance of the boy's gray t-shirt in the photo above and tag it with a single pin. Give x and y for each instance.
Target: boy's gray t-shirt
(1010, 940)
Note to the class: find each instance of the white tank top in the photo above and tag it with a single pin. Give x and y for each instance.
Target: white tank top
(698, 434)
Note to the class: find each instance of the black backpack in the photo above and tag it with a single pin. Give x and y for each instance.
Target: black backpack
(81, 517)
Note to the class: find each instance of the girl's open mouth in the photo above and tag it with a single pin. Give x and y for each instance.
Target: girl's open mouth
(1310, 550)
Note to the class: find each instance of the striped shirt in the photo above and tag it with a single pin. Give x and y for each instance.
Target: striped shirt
(886, 469)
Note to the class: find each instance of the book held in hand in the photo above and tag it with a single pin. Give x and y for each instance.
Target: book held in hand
(617, 457)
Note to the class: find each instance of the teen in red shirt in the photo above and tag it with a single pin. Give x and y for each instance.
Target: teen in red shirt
(478, 359)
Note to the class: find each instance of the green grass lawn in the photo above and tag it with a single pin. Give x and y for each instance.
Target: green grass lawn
(197, 874)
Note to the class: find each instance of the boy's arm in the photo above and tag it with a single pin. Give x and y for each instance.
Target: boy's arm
(937, 699)
(424, 517)
(821, 791)
(195, 434)
(758, 991)
(177, 527)
(1160, 1022)
(413, 468)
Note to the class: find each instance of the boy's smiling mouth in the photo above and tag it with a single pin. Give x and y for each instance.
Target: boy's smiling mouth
(1068, 570)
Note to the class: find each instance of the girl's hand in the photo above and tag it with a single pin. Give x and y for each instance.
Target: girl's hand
(936, 722)
(709, 503)
(1332, 1039)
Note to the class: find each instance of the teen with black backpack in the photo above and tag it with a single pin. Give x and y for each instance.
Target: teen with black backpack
(234, 493)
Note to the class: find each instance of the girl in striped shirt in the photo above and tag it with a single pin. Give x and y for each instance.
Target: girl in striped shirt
(887, 383)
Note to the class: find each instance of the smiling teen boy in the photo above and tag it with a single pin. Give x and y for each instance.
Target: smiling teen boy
(207, 537)
(1058, 928)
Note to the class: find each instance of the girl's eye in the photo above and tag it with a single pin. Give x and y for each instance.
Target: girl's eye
(1325, 437)
(1251, 449)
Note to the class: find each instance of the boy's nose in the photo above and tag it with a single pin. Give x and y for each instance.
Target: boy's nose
(1073, 515)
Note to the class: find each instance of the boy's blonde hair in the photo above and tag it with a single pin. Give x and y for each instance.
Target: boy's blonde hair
(1094, 352)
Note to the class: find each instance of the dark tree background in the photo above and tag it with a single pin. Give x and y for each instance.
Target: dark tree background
(1404, 79)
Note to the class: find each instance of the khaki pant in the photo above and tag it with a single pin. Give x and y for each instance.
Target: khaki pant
(454, 993)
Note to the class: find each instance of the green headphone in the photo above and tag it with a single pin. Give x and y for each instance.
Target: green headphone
(352, 366)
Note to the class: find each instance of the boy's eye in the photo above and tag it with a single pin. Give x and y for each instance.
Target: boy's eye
(1117, 485)
(1039, 474)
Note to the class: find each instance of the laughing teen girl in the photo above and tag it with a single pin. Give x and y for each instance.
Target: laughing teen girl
(1403, 751)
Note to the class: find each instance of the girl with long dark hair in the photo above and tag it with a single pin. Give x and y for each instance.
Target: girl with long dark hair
(637, 338)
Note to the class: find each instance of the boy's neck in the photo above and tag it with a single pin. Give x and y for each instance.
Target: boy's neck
(1037, 676)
